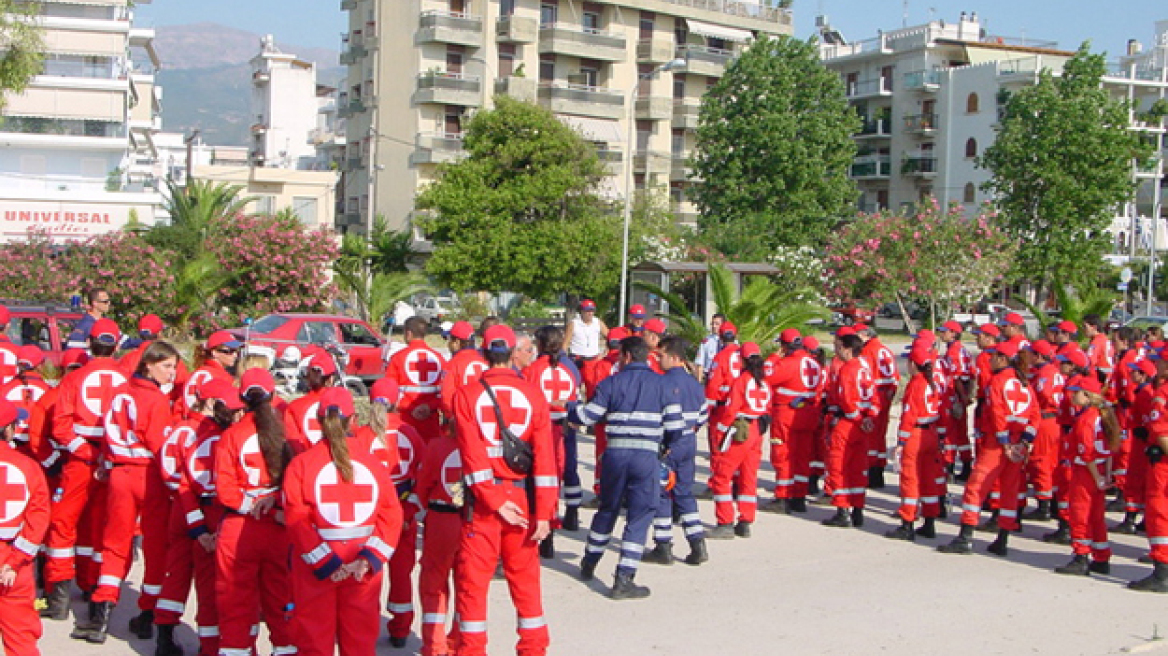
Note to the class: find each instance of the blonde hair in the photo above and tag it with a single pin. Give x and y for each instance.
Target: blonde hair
(1110, 421)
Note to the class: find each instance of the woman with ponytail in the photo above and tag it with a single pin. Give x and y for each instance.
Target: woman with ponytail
(918, 449)
(23, 391)
(738, 438)
(252, 547)
(344, 520)
(1094, 437)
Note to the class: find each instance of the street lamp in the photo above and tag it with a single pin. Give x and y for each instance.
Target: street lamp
(675, 65)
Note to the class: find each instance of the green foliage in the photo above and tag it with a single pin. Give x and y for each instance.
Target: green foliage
(360, 263)
(773, 150)
(194, 211)
(23, 51)
(529, 309)
(196, 287)
(388, 288)
(521, 211)
(1061, 164)
(1075, 304)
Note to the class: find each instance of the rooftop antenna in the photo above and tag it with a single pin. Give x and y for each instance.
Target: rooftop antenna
(904, 16)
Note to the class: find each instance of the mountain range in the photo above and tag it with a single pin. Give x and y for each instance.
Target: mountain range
(206, 78)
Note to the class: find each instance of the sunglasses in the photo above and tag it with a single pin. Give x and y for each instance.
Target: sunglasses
(102, 301)
(227, 351)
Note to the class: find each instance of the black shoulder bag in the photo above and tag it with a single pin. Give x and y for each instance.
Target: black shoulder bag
(516, 453)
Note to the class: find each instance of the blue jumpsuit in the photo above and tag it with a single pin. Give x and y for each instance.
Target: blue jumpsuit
(680, 459)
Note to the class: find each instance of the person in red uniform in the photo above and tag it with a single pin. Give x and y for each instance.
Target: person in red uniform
(1142, 375)
(1100, 352)
(24, 390)
(738, 437)
(442, 493)
(637, 317)
(987, 336)
(150, 328)
(816, 402)
(136, 425)
(216, 358)
(887, 379)
(655, 329)
(8, 351)
(344, 519)
(1120, 390)
(726, 369)
(794, 378)
(1156, 509)
(1048, 383)
(503, 520)
(918, 448)
(301, 426)
(417, 368)
(1072, 365)
(79, 506)
(252, 548)
(1011, 420)
(957, 365)
(856, 411)
(594, 372)
(465, 365)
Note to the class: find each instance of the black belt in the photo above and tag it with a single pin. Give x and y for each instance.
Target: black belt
(207, 499)
(438, 506)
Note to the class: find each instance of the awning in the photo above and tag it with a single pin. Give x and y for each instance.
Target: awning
(710, 30)
(595, 129)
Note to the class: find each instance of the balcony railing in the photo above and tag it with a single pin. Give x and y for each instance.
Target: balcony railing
(686, 113)
(516, 29)
(867, 88)
(920, 165)
(437, 147)
(872, 166)
(880, 127)
(61, 127)
(581, 99)
(582, 42)
(449, 89)
(437, 26)
(922, 80)
(754, 10)
(657, 49)
(921, 122)
(704, 60)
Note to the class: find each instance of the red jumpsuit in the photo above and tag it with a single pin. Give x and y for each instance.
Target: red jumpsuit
(9, 355)
(251, 555)
(1121, 392)
(1138, 466)
(79, 505)
(24, 391)
(958, 368)
(136, 426)
(726, 369)
(1040, 469)
(331, 523)
(748, 399)
(208, 371)
(794, 381)
(829, 405)
(417, 368)
(594, 372)
(1011, 417)
(1087, 502)
(1101, 356)
(487, 536)
(301, 425)
(886, 378)
(463, 368)
(1156, 510)
(129, 363)
(24, 518)
(922, 475)
(847, 458)
(1062, 472)
(40, 434)
(439, 482)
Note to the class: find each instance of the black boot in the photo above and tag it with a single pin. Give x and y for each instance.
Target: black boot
(1077, 567)
(398, 642)
(1118, 504)
(1127, 526)
(166, 646)
(797, 505)
(57, 601)
(143, 625)
(624, 588)
(990, 525)
(998, 547)
(571, 520)
(903, 532)
(1156, 582)
(1060, 536)
(101, 617)
(82, 627)
(876, 478)
(697, 552)
(857, 517)
(780, 506)
(721, 532)
(587, 569)
(661, 554)
(962, 544)
(813, 485)
(1041, 513)
(966, 470)
(841, 519)
(1099, 567)
(742, 529)
(547, 547)
(928, 529)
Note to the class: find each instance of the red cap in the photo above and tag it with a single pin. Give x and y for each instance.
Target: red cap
(952, 326)
(335, 398)
(74, 358)
(499, 338)
(220, 390)
(728, 327)
(462, 330)
(385, 390)
(1042, 347)
(1145, 366)
(1156, 345)
(29, 356)
(860, 328)
(106, 331)
(1013, 319)
(1075, 356)
(151, 323)
(921, 355)
(617, 334)
(10, 413)
(637, 311)
(655, 325)
(1008, 349)
(790, 336)
(748, 349)
(925, 337)
(323, 362)
(5, 317)
(1068, 327)
(257, 378)
(988, 329)
(810, 343)
(844, 331)
(222, 338)
(588, 305)
(1087, 384)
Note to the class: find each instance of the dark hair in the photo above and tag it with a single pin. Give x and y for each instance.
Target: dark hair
(496, 358)
(550, 341)
(636, 348)
(927, 370)
(270, 430)
(335, 429)
(415, 326)
(754, 366)
(718, 315)
(221, 415)
(675, 346)
(1128, 334)
(158, 351)
(315, 379)
(853, 343)
(1092, 320)
(100, 349)
(487, 322)
(94, 292)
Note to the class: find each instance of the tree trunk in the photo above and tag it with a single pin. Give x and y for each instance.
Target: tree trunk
(908, 322)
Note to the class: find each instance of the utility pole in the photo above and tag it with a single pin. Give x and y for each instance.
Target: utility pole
(189, 142)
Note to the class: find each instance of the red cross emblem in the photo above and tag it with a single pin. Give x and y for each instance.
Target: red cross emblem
(451, 473)
(1059, 383)
(932, 406)
(405, 458)
(346, 504)
(311, 424)
(768, 368)
(252, 460)
(170, 454)
(472, 372)
(13, 493)
(198, 378)
(940, 383)
(7, 364)
(758, 397)
(885, 363)
(24, 396)
(557, 385)
(1017, 397)
(422, 368)
(517, 412)
(201, 463)
(864, 383)
(96, 389)
(734, 362)
(810, 372)
(120, 422)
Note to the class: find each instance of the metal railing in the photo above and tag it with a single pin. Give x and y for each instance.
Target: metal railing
(455, 20)
(581, 93)
(455, 81)
(922, 79)
(876, 127)
(918, 164)
(702, 53)
(921, 122)
(755, 10)
(872, 166)
(584, 36)
(874, 87)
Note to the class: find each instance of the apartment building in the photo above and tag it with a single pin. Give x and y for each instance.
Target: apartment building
(77, 155)
(284, 108)
(419, 68)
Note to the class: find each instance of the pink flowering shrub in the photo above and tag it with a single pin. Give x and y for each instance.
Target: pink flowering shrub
(31, 270)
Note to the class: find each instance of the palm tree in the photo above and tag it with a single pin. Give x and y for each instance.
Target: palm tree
(193, 210)
(196, 285)
(1074, 305)
(373, 273)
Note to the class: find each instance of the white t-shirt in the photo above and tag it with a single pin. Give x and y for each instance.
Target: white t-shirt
(585, 338)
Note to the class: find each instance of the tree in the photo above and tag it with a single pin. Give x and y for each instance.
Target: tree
(773, 150)
(521, 212)
(361, 262)
(24, 46)
(194, 212)
(1061, 166)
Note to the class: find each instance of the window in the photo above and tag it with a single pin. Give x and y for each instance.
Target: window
(646, 26)
(645, 72)
(680, 31)
(304, 207)
(886, 78)
(506, 59)
(971, 104)
(317, 332)
(971, 147)
(644, 133)
(454, 60)
(507, 8)
(355, 333)
(678, 143)
(457, 6)
(591, 17)
(851, 81)
(547, 68)
(268, 324)
(453, 122)
(970, 194)
(547, 14)
(678, 87)
(718, 44)
(265, 204)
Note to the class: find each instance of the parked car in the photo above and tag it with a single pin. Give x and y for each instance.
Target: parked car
(1146, 322)
(44, 325)
(436, 309)
(364, 346)
(848, 313)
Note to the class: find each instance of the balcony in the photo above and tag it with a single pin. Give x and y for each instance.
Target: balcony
(516, 29)
(259, 128)
(686, 112)
(652, 162)
(519, 88)
(928, 81)
(654, 108)
(449, 89)
(354, 163)
(449, 27)
(353, 54)
(350, 108)
(686, 212)
(922, 124)
(878, 88)
(1149, 168)
(437, 148)
(582, 42)
(348, 5)
(261, 77)
(919, 165)
(871, 167)
(613, 160)
(704, 60)
(583, 100)
(681, 170)
(658, 49)
(880, 128)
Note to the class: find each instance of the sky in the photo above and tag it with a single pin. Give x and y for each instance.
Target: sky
(319, 23)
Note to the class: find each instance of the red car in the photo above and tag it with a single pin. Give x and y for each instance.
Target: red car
(850, 313)
(44, 325)
(362, 343)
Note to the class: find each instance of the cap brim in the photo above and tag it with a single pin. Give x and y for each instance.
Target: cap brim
(21, 414)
